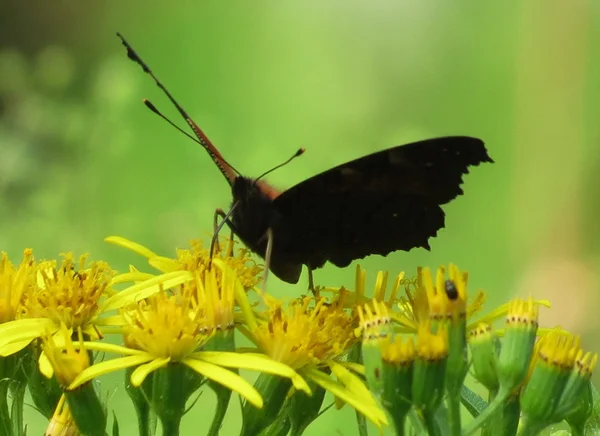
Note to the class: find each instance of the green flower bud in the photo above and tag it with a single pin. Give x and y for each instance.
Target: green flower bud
(429, 368)
(397, 379)
(485, 346)
(518, 342)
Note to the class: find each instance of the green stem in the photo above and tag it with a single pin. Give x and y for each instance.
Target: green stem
(416, 422)
(5, 422)
(223, 397)
(355, 355)
(529, 428)
(16, 414)
(171, 427)
(431, 425)
(454, 421)
(399, 424)
(361, 421)
(487, 413)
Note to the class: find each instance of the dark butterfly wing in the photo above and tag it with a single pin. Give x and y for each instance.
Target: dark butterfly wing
(383, 202)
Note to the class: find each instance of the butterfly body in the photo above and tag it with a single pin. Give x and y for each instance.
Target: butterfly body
(384, 202)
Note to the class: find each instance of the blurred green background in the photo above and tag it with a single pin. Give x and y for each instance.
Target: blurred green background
(81, 158)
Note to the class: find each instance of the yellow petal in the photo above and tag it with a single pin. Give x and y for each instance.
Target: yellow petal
(24, 330)
(255, 362)
(351, 382)
(226, 378)
(145, 289)
(14, 347)
(375, 414)
(131, 277)
(130, 245)
(164, 264)
(45, 366)
(108, 366)
(107, 347)
(141, 372)
(356, 367)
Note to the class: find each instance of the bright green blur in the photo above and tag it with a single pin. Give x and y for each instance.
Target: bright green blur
(81, 158)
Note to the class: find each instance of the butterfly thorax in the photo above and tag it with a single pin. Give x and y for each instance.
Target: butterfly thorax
(253, 214)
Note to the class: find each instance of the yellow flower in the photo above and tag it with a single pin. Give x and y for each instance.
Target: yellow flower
(14, 282)
(197, 259)
(62, 358)
(311, 334)
(74, 297)
(173, 328)
(423, 298)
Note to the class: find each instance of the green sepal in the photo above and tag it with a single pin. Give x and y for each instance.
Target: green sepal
(371, 359)
(304, 409)
(397, 381)
(89, 414)
(45, 392)
(592, 425)
(576, 401)
(542, 392)
(280, 427)
(273, 389)
(515, 355)
(428, 383)
(485, 348)
(578, 415)
(172, 386)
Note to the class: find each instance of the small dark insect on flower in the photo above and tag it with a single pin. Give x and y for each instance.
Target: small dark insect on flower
(451, 291)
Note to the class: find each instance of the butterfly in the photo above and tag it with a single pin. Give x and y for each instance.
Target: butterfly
(383, 202)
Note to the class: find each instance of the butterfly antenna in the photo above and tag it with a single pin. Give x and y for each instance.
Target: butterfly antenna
(298, 153)
(227, 170)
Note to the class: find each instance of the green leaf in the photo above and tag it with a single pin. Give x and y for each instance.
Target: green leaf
(115, 426)
(472, 402)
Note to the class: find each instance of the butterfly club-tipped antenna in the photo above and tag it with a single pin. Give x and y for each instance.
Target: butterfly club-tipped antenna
(226, 169)
(298, 153)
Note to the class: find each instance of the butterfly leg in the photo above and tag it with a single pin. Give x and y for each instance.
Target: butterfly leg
(311, 283)
(214, 243)
(219, 213)
(268, 253)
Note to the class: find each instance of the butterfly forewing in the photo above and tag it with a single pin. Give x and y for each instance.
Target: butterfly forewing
(380, 203)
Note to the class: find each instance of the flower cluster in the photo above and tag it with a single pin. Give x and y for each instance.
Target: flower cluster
(399, 358)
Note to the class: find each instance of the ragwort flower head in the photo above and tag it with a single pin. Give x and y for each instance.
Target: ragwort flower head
(197, 259)
(66, 294)
(14, 282)
(309, 331)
